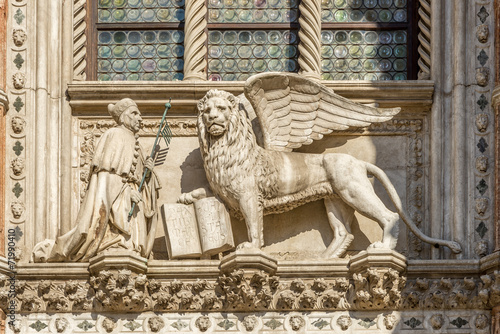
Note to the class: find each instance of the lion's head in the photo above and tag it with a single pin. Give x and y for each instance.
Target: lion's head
(221, 121)
(229, 147)
(216, 109)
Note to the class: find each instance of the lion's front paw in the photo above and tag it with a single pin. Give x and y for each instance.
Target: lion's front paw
(186, 198)
(379, 245)
(246, 245)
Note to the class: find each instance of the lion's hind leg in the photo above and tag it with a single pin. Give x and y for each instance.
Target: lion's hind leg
(340, 216)
(349, 179)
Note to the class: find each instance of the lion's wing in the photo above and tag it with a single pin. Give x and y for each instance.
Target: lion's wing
(293, 111)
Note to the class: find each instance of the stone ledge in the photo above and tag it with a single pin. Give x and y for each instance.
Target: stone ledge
(172, 269)
(65, 270)
(92, 97)
(490, 263)
(440, 268)
(205, 269)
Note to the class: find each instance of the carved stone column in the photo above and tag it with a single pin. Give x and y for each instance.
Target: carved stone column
(310, 38)
(424, 37)
(194, 41)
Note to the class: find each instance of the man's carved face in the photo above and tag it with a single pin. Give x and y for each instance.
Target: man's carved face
(131, 118)
(216, 115)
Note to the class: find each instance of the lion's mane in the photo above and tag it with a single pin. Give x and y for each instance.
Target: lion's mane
(235, 155)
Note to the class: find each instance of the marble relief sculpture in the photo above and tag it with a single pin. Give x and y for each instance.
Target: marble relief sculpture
(255, 176)
(115, 173)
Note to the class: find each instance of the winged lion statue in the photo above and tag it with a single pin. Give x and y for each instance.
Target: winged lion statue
(259, 175)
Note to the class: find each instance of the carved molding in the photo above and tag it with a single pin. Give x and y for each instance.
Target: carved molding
(373, 289)
(269, 322)
(483, 136)
(194, 40)
(424, 37)
(79, 40)
(310, 38)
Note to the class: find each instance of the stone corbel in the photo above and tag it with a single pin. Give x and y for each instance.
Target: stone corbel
(115, 260)
(4, 100)
(251, 260)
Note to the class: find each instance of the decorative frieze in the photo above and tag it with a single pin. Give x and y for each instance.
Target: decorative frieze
(373, 289)
(269, 322)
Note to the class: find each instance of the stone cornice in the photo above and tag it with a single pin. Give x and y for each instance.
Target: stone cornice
(207, 269)
(92, 97)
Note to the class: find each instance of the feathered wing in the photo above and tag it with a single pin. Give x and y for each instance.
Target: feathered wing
(294, 111)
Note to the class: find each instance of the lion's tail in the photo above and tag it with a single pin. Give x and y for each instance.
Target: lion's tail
(382, 177)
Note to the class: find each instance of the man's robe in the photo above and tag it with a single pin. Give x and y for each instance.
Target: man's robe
(102, 221)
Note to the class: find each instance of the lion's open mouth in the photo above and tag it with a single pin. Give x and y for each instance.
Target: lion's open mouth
(216, 129)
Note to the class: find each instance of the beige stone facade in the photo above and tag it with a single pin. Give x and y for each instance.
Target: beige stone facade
(440, 152)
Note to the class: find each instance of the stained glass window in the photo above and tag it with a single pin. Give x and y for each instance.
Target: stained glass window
(366, 40)
(236, 55)
(140, 40)
(264, 38)
(360, 39)
(252, 11)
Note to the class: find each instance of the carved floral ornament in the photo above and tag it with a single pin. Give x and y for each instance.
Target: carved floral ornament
(241, 291)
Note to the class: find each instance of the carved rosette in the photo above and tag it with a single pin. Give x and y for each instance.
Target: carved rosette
(194, 40)
(424, 37)
(310, 38)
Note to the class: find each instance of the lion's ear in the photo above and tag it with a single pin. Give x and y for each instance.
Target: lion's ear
(233, 100)
(201, 105)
